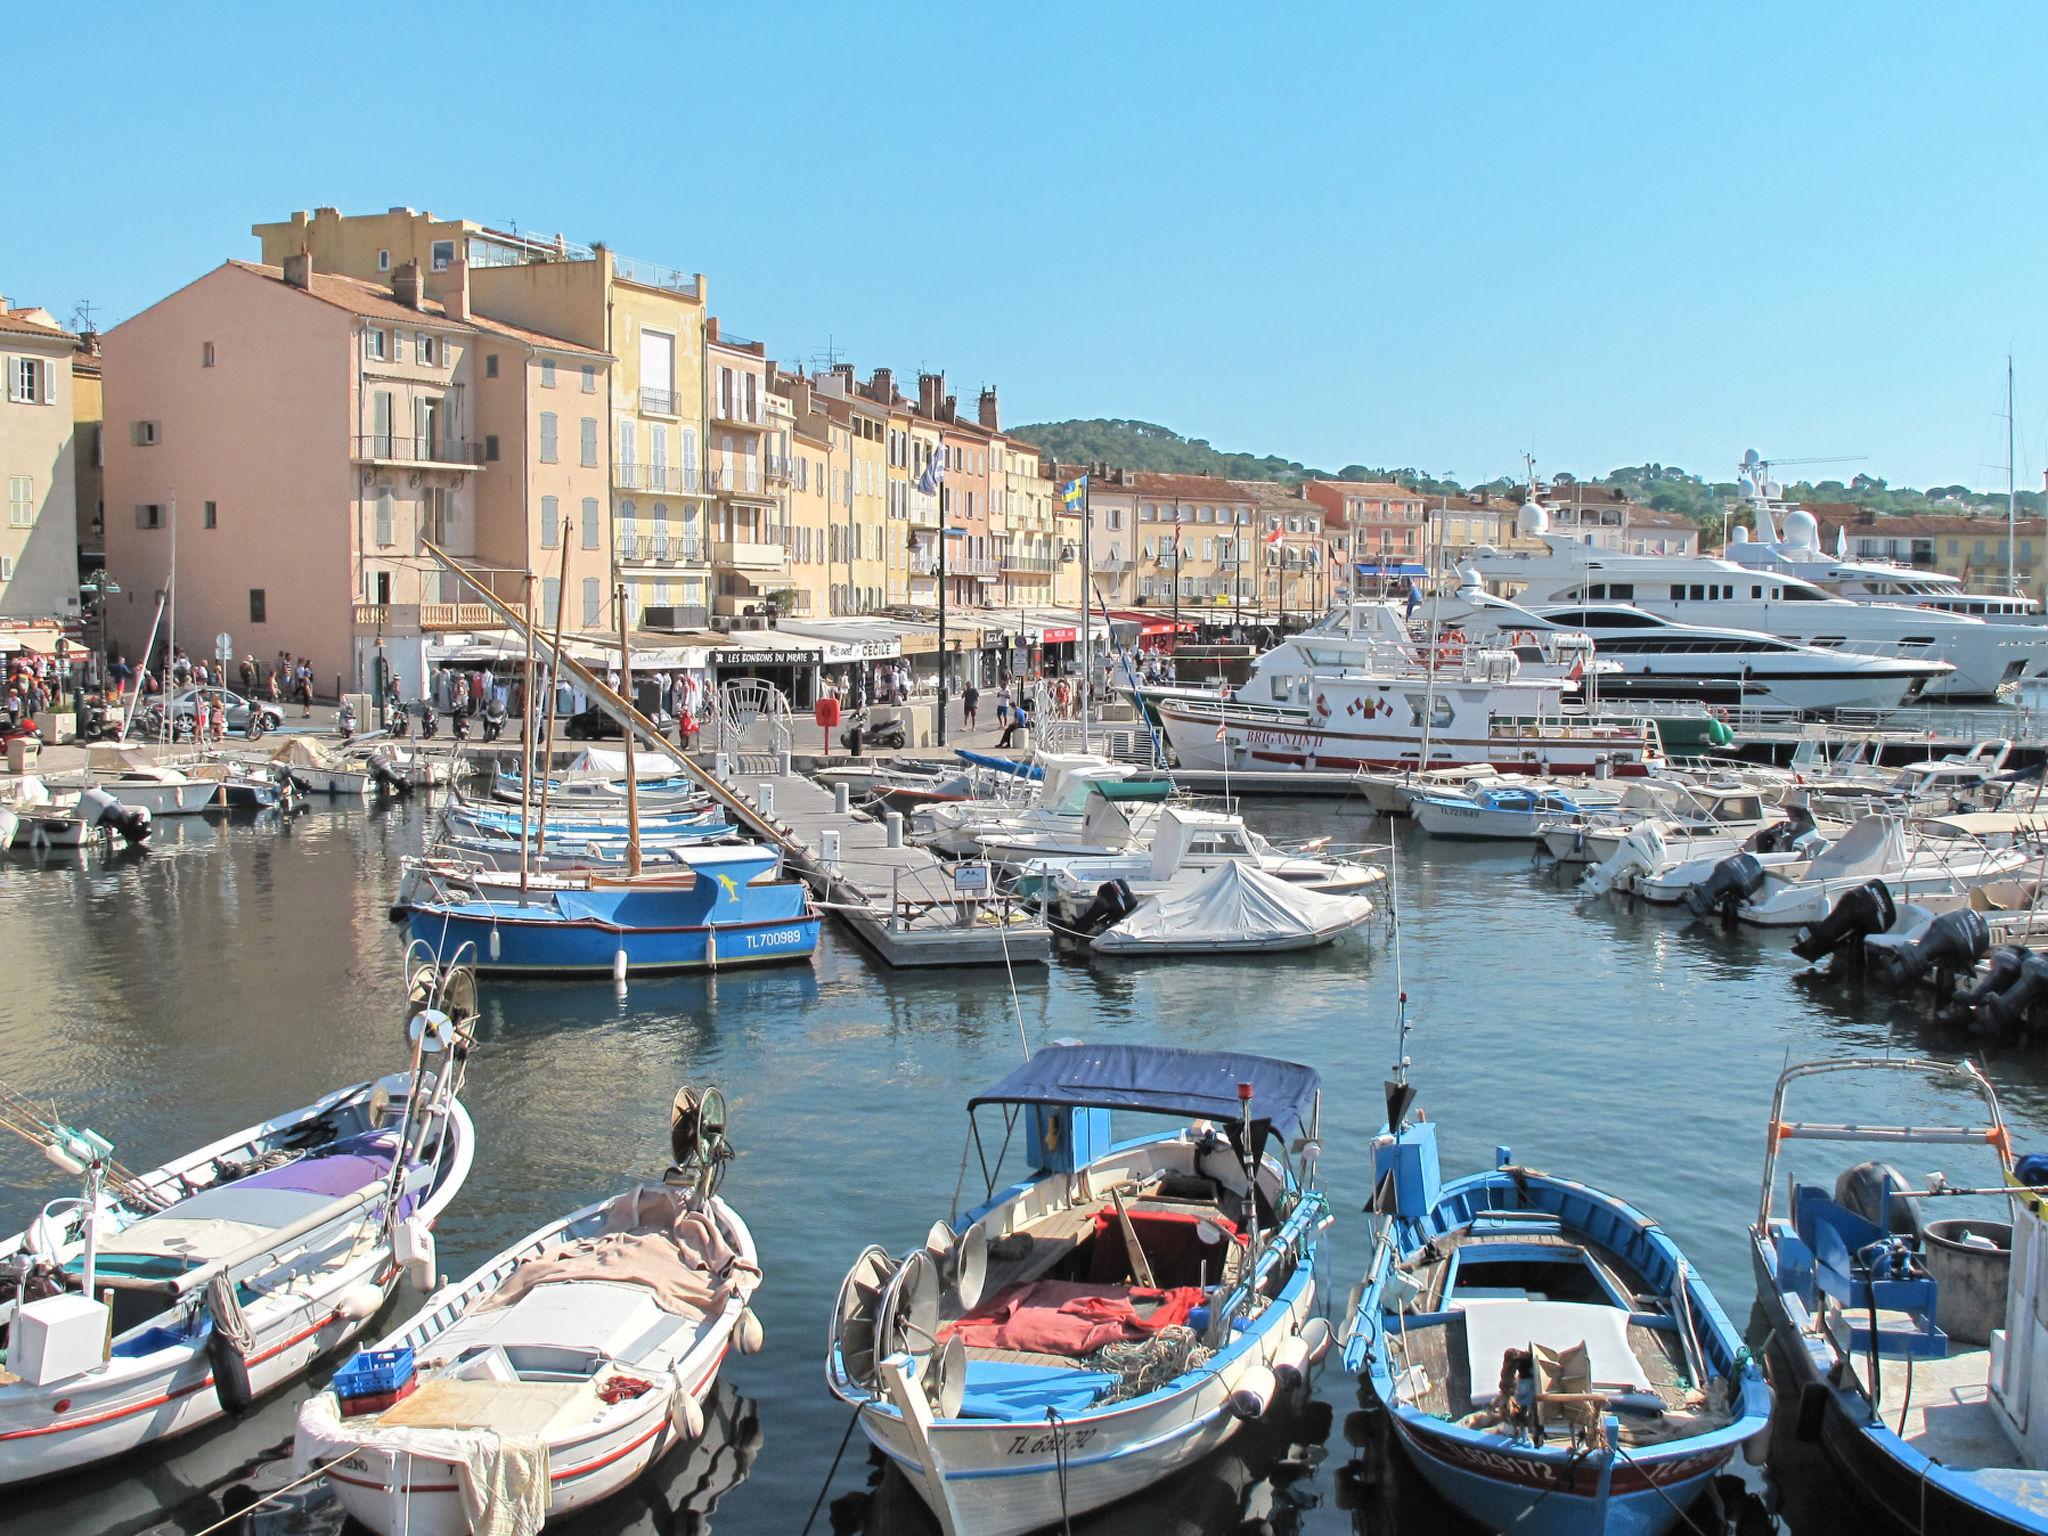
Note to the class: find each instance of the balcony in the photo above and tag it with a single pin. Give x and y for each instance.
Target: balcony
(1112, 565)
(748, 557)
(738, 484)
(457, 616)
(419, 452)
(980, 567)
(658, 549)
(675, 479)
(730, 413)
(1030, 565)
(657, 402)
(780, 468)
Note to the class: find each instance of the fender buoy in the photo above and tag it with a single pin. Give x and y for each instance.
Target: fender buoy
(1254, 1392)
(747, 1333)
(686, 1414)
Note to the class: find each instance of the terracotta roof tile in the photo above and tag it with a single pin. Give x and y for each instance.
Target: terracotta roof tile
(535, 338)
(370, 300)
(16, 322)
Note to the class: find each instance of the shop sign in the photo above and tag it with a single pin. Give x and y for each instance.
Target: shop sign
(861, 650)
(1059, 637)
(763, 658)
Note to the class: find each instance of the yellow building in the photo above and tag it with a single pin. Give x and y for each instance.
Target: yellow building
(1027, 544)
(859, 493)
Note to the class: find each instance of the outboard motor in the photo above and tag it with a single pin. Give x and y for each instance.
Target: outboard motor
(1733, 881)
(387, 776)
(1112, 904)
(131, 821)
(1871, 1190)
(1866, 910)
(2003, 1012)
(1954, 942)
(2000, 972)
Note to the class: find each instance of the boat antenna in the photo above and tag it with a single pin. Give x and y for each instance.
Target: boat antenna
(1401, 1024)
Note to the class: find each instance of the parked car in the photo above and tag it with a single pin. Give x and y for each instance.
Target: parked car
(246, 717)
(593, 724)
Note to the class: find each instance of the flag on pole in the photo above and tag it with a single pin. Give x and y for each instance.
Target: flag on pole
(1074, 493)
(1273, 537)
(928, 482)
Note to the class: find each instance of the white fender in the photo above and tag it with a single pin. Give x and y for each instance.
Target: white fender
(685, 1413)
(747, 1333)
(413, 1249)
(1290, 1363)
(1254, 1392)
(1316, 1333)
(359, 1302)
(494, 941)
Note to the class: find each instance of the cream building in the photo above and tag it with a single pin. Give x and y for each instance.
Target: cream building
(38, 448)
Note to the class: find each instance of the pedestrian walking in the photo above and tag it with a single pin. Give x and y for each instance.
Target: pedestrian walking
(970, 701)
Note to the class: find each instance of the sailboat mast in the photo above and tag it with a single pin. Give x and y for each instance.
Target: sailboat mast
(2012, 586)
(632, 780)
(526, 742)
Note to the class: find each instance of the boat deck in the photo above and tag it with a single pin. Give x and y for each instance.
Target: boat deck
(1942, 1408)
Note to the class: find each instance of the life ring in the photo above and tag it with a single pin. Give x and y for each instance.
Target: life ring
(1450, 645)
(1322, 705)
(1525, 637)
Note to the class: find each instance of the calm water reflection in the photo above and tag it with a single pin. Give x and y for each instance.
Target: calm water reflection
(239, 969)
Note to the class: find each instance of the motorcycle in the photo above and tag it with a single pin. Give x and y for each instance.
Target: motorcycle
(345, 720)
(459, 723)
(20, 729)
(429, 725)
(888, 736)
(494, 720)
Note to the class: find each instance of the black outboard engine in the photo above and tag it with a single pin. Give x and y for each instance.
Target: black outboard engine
(1954, 942)
(387, 777)
(1732, 882)
(130, 821)
(1866, 910)
(1872, 1190)
(2000, 972)
(2003, 1012)
(1112, 904)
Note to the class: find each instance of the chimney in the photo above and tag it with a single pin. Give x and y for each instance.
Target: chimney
(711, 328)
(931, 389)
(843, 372)
(451, 287)
(988, 410)
(949, 408)
(882, 387)
(406, 286)
(298, 270)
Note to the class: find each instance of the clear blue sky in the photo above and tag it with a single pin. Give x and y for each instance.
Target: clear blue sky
(1431, 236)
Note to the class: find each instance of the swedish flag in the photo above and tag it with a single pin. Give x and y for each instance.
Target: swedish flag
(1074, 492)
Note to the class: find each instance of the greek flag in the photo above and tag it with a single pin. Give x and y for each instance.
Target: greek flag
(928, 482)
(1074, 492)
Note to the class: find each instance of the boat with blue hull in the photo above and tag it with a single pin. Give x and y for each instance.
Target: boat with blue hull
(712, 923)
(1496, 812)
(1112, 1317)
(1913, 1347)
(1550, 1362)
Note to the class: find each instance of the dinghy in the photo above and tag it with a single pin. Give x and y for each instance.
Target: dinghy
(232, 1269)
(1234, 908)
(1915, 1345)
(560, 1370)
(1551, 1362)
(1112, 1316)
(1494, 812)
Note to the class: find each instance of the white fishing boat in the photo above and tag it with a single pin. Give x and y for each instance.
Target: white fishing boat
(1494, 812)
(1059, 806)
(131, 776)
(1717, 815)
(560, 1370)
(1233, 909)
(1388, 791)
(318, 771)
(1186, 839)
(36, 821)
(1116, 1313)
(1924, 862)
(231, 1269)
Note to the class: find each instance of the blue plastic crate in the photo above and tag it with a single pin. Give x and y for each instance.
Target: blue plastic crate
(373, 1371)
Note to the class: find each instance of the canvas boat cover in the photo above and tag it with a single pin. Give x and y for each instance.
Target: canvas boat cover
(1162, 1080)
(612, 764)
(1233, 906)
(306, 752)
(1872, 847)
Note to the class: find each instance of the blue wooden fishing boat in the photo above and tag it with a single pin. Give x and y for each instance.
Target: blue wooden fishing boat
(1550, 1362)
(714, 923)
(1509, 812)
(1915, 1347)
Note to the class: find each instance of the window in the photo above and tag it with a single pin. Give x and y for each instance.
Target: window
(385, 532)
(590, 601)
(425, 348)
(589, 440)
(209, 516)
(550, 599)
(547, 373)
(21, 501)
(256, 605)
(145, 433)
(590, 529)
(206, 354)
(550, 521)
(149, 515)
(490, 447)
(590, 378)
(6, 567)
(383, 261)
(443, 254)
(398, 346)
(548, 451)
(373, 342)
(434, 514)
(380, 587)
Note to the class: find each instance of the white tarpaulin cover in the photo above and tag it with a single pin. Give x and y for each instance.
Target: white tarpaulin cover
(646, 765)
(1873, 846)
(1234, 906)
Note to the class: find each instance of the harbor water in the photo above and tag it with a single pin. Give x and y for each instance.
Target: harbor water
(239, 969)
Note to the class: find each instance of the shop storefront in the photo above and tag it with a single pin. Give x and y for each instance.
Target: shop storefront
(790, 662)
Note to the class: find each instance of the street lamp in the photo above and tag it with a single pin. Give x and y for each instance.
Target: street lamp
(95, 590)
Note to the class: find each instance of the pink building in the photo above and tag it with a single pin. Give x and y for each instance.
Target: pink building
(288, 437)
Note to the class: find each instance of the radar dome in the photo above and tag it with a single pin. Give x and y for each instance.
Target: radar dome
(1747, 486)
(1801, 531)
(1738, 536)
(1750, 458)
(1532, 520)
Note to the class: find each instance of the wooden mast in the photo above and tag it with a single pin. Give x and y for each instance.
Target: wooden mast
(632, 783)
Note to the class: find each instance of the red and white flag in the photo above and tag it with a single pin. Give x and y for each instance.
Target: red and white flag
(1223, 733)
(1273, 537)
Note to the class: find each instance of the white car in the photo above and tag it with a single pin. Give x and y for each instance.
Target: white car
(246, 717)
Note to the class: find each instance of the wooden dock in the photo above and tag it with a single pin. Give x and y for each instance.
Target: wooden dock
(903, 902)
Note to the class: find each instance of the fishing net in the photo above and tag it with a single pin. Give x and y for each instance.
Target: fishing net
(1143, 1365)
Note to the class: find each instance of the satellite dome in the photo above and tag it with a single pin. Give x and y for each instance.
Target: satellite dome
(1773, 489)
(1746, 485)
(1738, 536)
(1750, 459)
(1532, 520)
(1801, 531)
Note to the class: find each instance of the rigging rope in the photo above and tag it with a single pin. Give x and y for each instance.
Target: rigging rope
(825, 1488)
